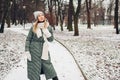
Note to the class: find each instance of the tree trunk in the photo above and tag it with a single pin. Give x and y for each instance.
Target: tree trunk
(36, 4)
(56, 13)
(109, 11)
(3, 23)
(95, 18)
(8, 16)
(103, 18)
(88, 7)
(76, 31)
(116, 16)
(4, 15)
(1, 10)
(61, 24)
(8, 21)
(61, 21)
(76, 17)
(52, 21)
(14, 12)
(50, 6)
(70, 15)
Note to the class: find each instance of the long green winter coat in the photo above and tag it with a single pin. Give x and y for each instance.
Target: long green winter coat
(34, 67)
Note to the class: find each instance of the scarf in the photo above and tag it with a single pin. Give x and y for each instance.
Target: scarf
(45, 45)
(38, 31)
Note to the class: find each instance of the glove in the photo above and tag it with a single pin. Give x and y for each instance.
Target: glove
(28, 55)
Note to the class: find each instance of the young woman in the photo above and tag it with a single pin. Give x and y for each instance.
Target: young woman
(36, 47)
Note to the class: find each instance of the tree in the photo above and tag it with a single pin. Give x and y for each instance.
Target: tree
(76, 17)
(57, 11)
(70, 15)
(88, 8)
(50, 6)
(61, 14)
(1, 10)
(99, 12)
(4, 14)
(109, 11)
(36, 4)
(116, 16)
(8, 17)
(14, 12)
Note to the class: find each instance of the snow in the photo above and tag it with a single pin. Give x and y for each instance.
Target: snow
(96, 50)
(10, 51)
(62, 60)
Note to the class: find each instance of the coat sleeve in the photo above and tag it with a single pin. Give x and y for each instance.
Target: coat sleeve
(28, 39)
(51, 38)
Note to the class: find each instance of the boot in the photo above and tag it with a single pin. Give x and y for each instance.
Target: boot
(55, 78)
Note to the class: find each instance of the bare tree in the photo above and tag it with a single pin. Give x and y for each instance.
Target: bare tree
(50, 6)
(116, 16)
(76, 17)
(70, 16)
(36, 4)
(88, 8)
(1, 10)
(109, 11)
(4, 14)
(14, 12)
(61, 15)
(57, 11)
(99, 12)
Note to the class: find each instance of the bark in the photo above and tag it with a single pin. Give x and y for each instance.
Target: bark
(76, 17)
(76, 31)
(4, 15)
(70, 15)
(88, 7)
(116, 16)
(50, 6)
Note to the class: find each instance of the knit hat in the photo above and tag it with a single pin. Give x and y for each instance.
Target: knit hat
(36, 14)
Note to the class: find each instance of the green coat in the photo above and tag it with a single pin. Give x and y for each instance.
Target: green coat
(34, 67)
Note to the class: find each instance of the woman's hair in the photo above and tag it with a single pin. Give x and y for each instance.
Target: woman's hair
(35, 26)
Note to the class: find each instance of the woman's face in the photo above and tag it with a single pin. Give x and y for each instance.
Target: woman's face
(41, 17)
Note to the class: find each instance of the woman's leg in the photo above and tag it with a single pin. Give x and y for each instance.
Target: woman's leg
(34, 70)
(48, 69)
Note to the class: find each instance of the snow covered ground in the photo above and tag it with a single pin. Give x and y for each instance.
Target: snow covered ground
(96, 50)
(10, 51)
(13, 60)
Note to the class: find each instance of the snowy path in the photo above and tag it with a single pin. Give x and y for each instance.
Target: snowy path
(96, 50)
(62, 60)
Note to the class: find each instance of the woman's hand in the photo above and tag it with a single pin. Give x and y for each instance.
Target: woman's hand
(46, 24)
(28, 55)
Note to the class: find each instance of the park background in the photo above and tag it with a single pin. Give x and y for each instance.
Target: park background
(88, 29)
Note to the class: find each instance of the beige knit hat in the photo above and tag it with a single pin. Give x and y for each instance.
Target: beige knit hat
(36, 13)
